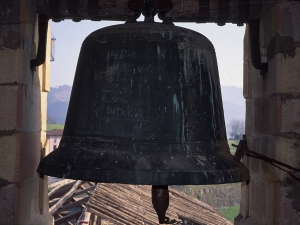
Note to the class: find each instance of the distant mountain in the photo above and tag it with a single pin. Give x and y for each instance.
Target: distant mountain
(58, 101)
(61, 93)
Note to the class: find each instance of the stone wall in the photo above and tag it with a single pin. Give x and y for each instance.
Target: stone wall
(273, 120)
(23, 93)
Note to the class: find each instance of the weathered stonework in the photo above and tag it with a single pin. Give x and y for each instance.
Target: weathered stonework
(9, 200)
(272, 120)
(11, 101)
(9, 11)
(10, 158)
(23, 194)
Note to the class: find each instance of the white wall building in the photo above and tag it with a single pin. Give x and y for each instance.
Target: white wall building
(54, 137)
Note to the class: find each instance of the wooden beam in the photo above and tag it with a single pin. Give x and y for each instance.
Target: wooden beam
(42, 6)
(239, 11)
(223, 12)
(68, 195)
(85, 190)
(204, 10)
(110, 218)
(67, 217)
(84, 218)
(71, 205)
(53, 201)
(93, 219)
(54, 190)
(92, 183)
(78, 193)
(63, 190)
(98, 221)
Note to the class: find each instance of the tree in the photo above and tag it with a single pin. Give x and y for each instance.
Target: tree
(237, 128)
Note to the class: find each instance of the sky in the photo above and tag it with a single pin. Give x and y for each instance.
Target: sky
(227, 40)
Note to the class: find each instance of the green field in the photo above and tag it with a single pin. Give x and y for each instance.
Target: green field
(230, 212)
(55, 126)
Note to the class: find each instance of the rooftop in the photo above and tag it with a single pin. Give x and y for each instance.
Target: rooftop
(131, 204)
(55, 132)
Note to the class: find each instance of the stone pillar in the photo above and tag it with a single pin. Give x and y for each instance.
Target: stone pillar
(23, 94)
(273, 120)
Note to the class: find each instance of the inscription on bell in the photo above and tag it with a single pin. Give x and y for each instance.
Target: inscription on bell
(145, 108)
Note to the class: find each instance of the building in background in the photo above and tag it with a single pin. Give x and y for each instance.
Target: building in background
(54, 137)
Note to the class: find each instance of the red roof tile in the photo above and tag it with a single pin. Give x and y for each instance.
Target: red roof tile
(56, 132)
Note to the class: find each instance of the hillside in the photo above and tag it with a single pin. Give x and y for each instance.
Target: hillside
(58, 101)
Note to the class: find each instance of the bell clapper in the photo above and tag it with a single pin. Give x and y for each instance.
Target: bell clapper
(160, 201)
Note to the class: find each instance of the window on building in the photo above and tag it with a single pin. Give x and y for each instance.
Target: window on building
(55, 140)
(54, 147)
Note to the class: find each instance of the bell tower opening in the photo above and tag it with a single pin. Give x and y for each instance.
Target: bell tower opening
(146, 108)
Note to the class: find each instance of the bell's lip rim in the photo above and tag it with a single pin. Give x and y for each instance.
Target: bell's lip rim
(240, 174)
(236, 172)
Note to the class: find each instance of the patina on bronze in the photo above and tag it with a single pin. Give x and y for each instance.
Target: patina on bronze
(145, 108)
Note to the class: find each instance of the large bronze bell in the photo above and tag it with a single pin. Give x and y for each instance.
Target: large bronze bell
(145, 108)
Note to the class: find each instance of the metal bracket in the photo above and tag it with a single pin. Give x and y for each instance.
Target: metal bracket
(41, 52)
(255, 47)
(240, 151)
(149, 8)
